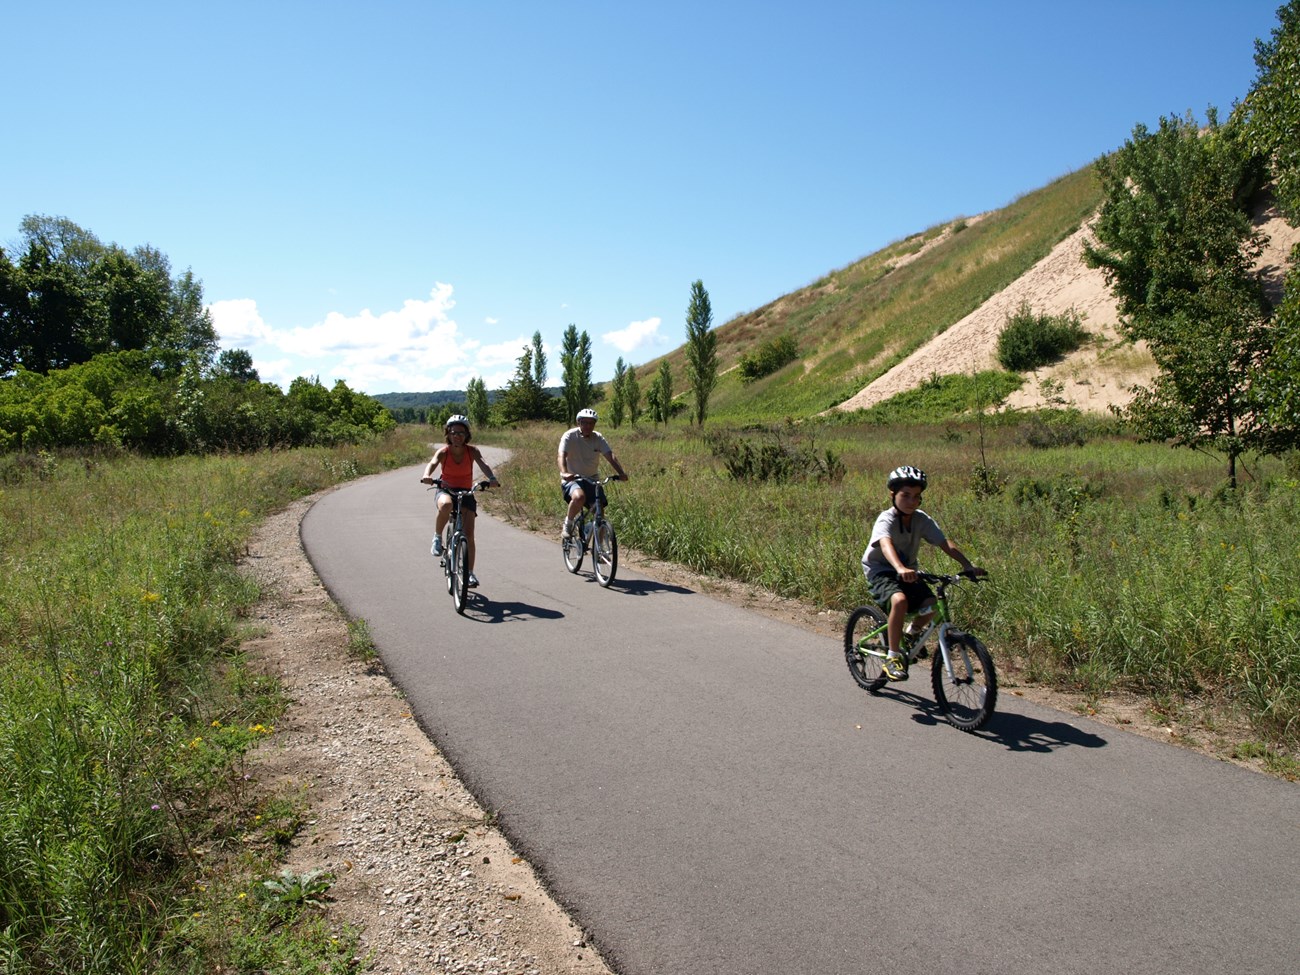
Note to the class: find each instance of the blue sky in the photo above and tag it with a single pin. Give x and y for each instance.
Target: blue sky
(399, 194)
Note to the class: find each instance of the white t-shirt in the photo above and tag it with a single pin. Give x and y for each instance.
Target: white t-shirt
(583, 453)
(907, 541)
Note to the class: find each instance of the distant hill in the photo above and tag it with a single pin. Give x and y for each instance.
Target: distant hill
(420, 401)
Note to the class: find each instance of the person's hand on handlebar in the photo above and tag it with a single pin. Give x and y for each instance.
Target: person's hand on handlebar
(428, 480)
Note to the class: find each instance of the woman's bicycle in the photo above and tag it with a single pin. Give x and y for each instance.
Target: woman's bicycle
(593, 532)
(455, 546)
(964, 680)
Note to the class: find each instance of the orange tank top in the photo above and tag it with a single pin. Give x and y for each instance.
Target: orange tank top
(459, 474)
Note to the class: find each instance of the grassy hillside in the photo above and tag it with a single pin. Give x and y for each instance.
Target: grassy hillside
(856, 322)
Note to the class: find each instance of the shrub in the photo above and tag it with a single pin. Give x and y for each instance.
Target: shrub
(1029, 341)
(769, 357)
(779, 459)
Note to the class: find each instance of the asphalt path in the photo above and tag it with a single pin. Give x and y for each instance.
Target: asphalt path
(707, 790)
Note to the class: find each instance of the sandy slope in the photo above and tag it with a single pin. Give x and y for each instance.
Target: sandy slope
(1094, 377)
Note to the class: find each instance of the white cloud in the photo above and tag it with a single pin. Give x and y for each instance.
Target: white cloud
(635, 335)
(238, 323)
(418, 346)
(502, 353)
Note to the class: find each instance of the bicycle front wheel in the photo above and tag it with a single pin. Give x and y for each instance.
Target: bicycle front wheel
(446, 559)
(604, 552)
(460, 573)
(573, 548)
(865, 645)
(968, 694)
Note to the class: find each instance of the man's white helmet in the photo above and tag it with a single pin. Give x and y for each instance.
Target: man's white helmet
(587, 414)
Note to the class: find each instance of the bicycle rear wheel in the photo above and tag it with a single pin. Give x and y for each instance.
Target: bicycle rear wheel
(460, 573)
(604, 552)
(573, 547)
(968, 695)
(864, 638)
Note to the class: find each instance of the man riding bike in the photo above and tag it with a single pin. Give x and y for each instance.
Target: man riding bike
(579, 458)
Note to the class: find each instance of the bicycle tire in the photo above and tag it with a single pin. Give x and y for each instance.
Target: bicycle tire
(867, 669)
(604, 552)
(446, 558)
(460, 572)
(573, 548)
(966, 699)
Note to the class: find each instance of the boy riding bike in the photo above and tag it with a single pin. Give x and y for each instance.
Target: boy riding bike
(890, 561)
(457, 458)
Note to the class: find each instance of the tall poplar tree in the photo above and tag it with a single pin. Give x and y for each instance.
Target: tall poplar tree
(701, 350)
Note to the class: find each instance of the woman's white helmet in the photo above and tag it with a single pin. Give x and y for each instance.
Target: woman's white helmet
(587, 414)
(453, 420)
(906, 474)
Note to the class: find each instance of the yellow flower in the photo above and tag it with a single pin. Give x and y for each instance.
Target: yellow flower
(150, 597)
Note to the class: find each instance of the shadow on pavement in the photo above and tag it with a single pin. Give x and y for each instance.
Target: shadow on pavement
(1021, 733)
(648, 587)
(1015, 732)
(483, 610)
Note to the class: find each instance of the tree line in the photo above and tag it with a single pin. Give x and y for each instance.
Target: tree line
(525, 396)
(100, 346)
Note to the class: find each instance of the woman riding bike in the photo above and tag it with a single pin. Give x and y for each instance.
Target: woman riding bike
(457, 458)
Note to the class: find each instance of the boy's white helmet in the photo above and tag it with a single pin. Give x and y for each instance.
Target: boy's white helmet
(587, 414)
(906, 475)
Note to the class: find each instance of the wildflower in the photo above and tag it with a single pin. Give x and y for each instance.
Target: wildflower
(150, 597)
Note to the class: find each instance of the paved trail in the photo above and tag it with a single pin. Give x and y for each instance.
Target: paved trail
(709, 793)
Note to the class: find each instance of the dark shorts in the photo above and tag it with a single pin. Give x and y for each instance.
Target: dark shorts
(884, 585)
(587, 485)
(467, 501)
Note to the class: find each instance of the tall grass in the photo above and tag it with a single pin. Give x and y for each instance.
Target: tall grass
(125, 708)
(1114, 564)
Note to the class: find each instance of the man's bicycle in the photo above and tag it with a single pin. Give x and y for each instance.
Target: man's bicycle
(964, 680)
(593, 532)
(455, 546)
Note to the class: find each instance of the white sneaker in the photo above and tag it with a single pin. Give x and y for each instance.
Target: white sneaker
(436, 551)
(568, 527)
(473, 581)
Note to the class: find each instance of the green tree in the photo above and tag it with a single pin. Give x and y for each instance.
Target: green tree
(1177, 247)
(236, 364)
(476, 402)
(632, 395)
(523, 398)
(575, 361)
(618, 401)
(701, 350)
(659, 397)
(1271, 113)
(539, 361)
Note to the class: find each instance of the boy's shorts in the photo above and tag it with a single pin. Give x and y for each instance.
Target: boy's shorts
(885, 584)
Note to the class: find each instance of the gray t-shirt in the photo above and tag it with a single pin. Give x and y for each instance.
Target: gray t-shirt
(907, 541)
(583, 453)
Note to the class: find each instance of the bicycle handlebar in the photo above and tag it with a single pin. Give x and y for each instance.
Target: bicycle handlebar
(945, 580)
(439, 486)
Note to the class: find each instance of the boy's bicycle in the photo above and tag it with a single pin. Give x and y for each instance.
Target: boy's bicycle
(455, 546)
(594, 532)
(964, 680)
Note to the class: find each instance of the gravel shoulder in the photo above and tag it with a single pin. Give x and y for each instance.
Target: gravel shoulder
(419, 867)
